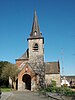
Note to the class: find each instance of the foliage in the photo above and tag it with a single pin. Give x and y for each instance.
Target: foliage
(2, 80)
(2, 65)
(9, 70)
(53, 83)
(62, 90)
(69, 92)
(53, 89)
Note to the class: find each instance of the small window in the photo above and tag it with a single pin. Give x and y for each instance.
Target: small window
(35, 47)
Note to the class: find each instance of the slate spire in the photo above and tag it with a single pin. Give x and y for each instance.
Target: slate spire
(35, 27)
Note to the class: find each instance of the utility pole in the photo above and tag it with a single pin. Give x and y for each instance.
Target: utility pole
(62, 61)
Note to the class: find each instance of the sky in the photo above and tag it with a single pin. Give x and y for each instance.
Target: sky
(56, 19)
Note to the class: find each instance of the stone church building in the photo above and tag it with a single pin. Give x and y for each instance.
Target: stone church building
(33, 71)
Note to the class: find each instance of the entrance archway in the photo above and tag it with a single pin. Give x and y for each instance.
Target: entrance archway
(27, 79)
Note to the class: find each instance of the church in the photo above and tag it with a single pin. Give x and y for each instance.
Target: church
(34, 72)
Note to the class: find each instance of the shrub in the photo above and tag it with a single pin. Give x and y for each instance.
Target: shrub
(63, 90)
(69, 92)
(53, 83)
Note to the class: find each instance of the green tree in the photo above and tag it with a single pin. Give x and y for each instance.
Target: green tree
(10, 70)
(2, 65)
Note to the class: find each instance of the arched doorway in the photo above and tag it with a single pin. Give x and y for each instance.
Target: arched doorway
(27, 79)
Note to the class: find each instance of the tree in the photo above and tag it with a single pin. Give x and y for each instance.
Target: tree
(10, 70)
(2, 65)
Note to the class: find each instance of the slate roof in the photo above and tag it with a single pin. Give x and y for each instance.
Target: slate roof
(52, 68)
(24, 56)
(35, 33)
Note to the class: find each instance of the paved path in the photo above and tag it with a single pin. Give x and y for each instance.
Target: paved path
(5, 95)
(26, 95)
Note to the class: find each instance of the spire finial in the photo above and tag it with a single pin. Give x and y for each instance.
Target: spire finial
(34, 12)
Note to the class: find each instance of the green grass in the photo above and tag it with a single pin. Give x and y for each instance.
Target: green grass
(5, 89)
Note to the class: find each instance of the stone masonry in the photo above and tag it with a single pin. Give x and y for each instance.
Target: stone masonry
(34, 73)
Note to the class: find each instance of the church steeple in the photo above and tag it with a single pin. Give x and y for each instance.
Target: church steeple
(35, 28)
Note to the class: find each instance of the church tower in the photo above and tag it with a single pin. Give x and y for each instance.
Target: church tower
(36, 50)
(33, 71)
(35, 42)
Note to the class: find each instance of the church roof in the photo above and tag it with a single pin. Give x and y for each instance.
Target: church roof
(24, 56)
(52, 68)
(35, 33)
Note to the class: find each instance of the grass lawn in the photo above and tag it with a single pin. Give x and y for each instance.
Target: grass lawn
(5, 89)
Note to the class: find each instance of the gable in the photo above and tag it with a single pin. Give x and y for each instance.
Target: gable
(25, 68)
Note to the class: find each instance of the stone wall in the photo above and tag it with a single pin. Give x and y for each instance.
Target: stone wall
(49, 77)
(36, 58)
(34, 53)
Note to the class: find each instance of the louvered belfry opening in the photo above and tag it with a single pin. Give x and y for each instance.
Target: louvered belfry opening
(35, 47)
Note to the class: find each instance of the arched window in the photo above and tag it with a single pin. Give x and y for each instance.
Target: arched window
(35, 47)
